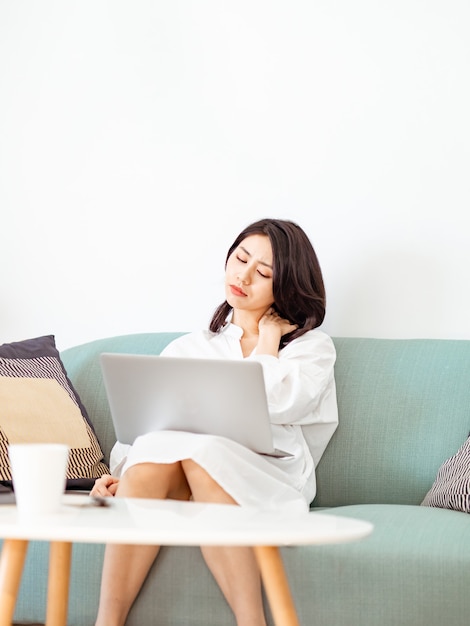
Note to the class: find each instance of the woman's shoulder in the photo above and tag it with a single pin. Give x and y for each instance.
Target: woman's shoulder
(315, 335)
(314, 340)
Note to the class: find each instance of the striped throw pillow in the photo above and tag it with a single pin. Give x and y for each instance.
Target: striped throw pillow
(38, 404)
(451, 489)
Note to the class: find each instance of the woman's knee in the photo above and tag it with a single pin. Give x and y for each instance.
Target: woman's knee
(154, 480)
(194, 473)
(202, 485)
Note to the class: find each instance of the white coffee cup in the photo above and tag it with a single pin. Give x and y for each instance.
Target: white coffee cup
(38, 473)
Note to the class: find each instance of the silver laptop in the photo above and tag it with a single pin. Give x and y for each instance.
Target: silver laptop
(211, 396)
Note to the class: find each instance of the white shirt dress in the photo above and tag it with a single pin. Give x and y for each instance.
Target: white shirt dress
(301, 396)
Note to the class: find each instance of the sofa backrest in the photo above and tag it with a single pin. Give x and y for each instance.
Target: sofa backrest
(404, 407)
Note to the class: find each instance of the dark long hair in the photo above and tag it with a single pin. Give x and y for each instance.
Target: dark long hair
(298, 288)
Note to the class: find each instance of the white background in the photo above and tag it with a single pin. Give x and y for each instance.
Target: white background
(137, 138)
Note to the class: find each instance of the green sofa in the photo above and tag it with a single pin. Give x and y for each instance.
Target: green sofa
(404, 408)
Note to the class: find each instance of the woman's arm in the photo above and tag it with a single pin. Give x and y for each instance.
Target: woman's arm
(298, 379)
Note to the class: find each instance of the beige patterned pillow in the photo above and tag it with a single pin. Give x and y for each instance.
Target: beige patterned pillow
(39, 404)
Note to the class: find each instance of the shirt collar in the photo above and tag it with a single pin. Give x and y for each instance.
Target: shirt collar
(232, 330)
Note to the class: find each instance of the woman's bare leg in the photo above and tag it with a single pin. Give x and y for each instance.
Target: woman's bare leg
(235, 569)
(125, 567)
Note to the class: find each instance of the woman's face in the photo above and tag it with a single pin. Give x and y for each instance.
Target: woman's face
(249, 275)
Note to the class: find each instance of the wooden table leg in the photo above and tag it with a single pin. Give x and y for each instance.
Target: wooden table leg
(276, 585)
(60, 558)
(11, 569)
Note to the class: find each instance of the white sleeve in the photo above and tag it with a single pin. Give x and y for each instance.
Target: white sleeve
(298, 380)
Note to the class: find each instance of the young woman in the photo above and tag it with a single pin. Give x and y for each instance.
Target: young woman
(274, 302)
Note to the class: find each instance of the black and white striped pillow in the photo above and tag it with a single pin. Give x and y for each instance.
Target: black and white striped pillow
(451, 489)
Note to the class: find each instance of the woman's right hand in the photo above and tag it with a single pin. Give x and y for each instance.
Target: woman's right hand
(105, 486)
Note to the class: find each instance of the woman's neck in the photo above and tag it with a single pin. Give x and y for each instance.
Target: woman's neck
(247, 322)
(264, 339)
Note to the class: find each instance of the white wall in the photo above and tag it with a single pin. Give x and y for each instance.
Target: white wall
(138, 138)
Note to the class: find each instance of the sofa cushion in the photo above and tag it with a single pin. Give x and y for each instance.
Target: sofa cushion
(39, 404)
(412, 570)
(451, 489)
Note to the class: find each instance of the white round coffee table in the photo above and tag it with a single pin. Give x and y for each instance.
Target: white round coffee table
(163, 522)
